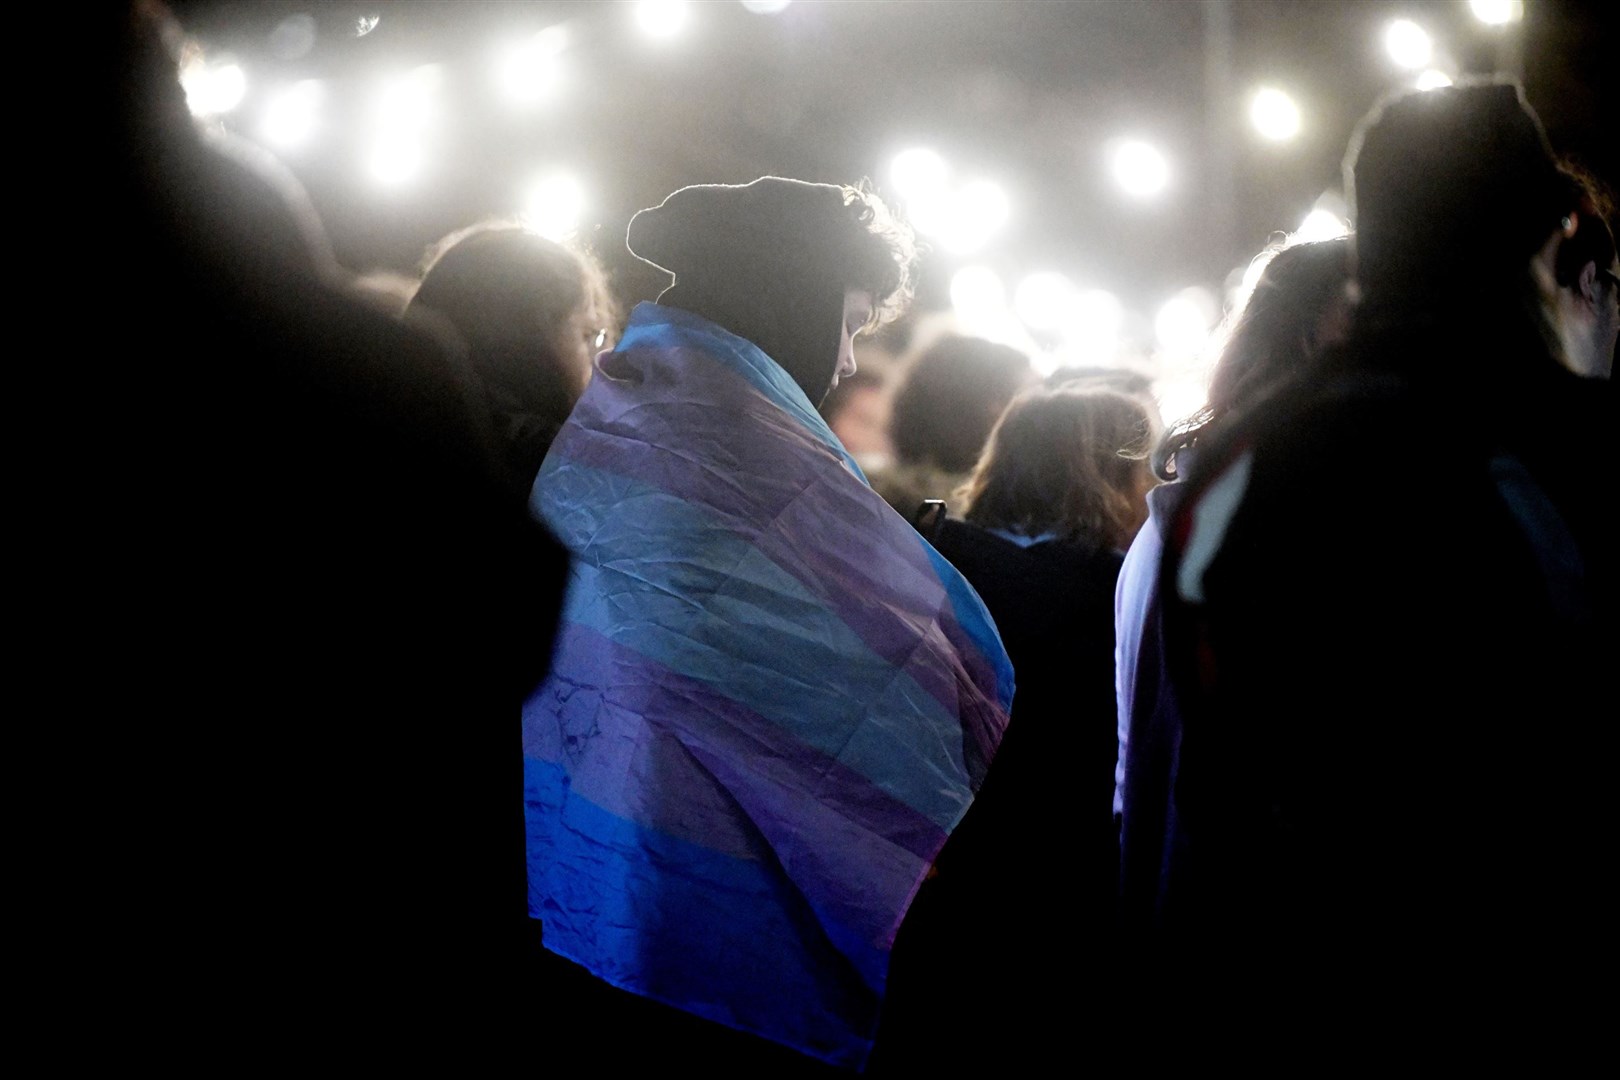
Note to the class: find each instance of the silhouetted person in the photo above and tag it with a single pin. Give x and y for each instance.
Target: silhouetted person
(318, 606)
(1387, 622)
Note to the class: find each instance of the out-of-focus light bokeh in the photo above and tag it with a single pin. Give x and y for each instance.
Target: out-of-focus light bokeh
(661, 18)
(1042, 299)
(977, 211)
(395, 157)
(1139, 168)
(1092, 328)
(212, 89)
(1274, 114)
(1408, 44)
(554, 204)
(531, 70)
(406, 109)
(1321, 224)
(1497, 12)
(1062, 189)
(1183, 324)
(291, 115)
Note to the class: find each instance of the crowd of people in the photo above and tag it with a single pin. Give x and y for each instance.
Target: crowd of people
(1072, 725)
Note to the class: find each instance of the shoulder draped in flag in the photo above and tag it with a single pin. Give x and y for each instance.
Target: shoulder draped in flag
(770, 703)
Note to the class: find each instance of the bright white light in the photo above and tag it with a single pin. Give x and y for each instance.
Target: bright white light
(919, 177)
(918, 172)
(212, 89)
(977, 291)
(661, 18)
(765, 7)
(1092, 327)
(395, 158)
(404, 110)
(290, 116)
(530, 71)
(1408, 44)
(1320, 224)
(1043, 299)
(1433, 79)
(977, 212)
(1274, 114)
(1183, 324)
(979, 302)
(1181, 397)
(409, 103)
(554, 205)
(1140, 169)
(1497, 12)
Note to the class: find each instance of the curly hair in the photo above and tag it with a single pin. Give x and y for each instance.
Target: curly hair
(885, 258)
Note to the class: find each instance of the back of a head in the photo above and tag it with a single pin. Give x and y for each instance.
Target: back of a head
(952, 394)
(1299, 306)
(770, 261)
(515, 298)
(1070, 462)
(1453, 190)
(507, 291)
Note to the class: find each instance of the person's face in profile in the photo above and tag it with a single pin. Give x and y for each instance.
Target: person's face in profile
(858, 306)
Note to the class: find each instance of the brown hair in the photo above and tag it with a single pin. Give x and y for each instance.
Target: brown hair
(884, 257)
(1068, 461)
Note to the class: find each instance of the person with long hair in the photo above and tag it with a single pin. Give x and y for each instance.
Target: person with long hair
(533, 313)
(1299, 308)
(1046, 515)
(1388, 610)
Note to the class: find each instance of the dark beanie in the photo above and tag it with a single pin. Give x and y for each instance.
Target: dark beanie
(1452, 190)
(766, 260)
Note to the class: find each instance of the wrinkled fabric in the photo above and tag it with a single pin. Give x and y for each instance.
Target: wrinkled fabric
(771, 699)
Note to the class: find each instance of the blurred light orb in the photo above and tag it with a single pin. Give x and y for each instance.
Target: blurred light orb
(1274, 115)
(291, 115)
(293, 37)
(661, 18)
(212, 89)
(1183, 396)
(919, 177)
(365, 24)
(530, 71)
(765, 7)
(977, 213)
(1320, 224)
(1092, 326)
(918, 172)
(1140, 169)
(396, 158)
(407, 104)
(1183, 324)
(553, 205)
(1497, 12)
(1408, 44)
(976, 292)
(1433, 79)
(1042, 300)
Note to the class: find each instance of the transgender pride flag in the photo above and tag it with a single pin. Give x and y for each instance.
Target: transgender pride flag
(771, 700)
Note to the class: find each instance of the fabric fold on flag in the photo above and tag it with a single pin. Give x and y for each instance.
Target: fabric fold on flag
(770, 703)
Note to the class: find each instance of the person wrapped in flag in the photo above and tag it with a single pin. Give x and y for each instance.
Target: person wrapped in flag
(771, 700)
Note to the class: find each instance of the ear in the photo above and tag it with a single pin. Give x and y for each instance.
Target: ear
(1586, 283)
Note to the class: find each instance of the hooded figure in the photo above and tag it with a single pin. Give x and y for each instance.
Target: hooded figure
(771, 261)
(771, 700)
